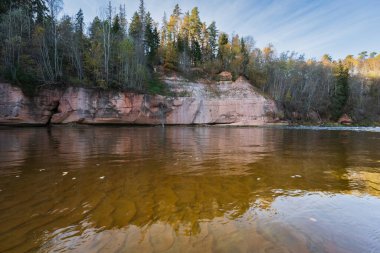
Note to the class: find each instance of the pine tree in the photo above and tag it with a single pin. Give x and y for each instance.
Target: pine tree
(93, 56)
(245, 56)
(142, 13)
(116, 26)
(5, 6)
(340, 95)
(177, 11)
(135, 28)
(151, 38)
(196, 52)
(203, 41)
(39, 10)
(36, 8)
(79, 23)
(78, 43)
(212, 39)
(123, 19)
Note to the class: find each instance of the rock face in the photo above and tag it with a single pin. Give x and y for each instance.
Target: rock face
(345, 120)
(225, 76)
(18, 109)
(193, 103)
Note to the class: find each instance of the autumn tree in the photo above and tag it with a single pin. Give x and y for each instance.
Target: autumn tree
(223, 50)
(195, 26)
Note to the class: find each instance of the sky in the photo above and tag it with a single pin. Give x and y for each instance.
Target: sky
(309, 27)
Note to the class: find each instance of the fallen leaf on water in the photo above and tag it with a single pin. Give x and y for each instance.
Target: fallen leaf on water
(313, 219)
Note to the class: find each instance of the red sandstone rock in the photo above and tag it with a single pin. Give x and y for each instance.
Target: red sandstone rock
(345, 120)
(225, 103)
(16, 108)
(225, 76)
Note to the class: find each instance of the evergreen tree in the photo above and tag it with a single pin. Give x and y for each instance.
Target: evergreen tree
(177, 11)
(123, 19)
(79, 23)
(94, 54)
(135, 28)
(39, 11)
(78, 43)
(340, 95)
(196, 53)
(203, 42)
(363, 55)
(245, 56)
(141, 14)
(116, 26)
(5, 6)
(152, 39)
(212, 39)
(35, 8)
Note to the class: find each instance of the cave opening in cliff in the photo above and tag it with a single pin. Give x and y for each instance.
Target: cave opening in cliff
(53, 111)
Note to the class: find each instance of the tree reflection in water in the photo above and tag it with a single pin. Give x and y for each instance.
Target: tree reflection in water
(187, 189)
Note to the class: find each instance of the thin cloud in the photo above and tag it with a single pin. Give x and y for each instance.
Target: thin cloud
(311, 27)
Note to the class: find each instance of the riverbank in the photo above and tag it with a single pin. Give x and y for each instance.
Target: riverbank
(333, 124)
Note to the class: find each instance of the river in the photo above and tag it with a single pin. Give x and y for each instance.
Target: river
(189, 189)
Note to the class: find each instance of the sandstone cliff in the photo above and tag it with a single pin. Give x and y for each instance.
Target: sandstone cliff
(234, 103)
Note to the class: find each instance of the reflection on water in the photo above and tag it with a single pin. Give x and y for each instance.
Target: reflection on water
(182, 189)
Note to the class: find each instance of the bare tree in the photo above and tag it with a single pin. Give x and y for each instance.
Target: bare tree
(55, 7)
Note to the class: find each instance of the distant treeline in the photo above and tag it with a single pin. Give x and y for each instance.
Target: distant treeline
(116, 52)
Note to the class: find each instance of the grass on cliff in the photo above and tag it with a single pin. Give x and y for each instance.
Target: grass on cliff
(155, 86)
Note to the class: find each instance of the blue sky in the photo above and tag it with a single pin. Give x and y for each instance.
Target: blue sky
(312, 27)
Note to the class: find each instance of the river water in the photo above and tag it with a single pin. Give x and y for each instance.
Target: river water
(188, 189)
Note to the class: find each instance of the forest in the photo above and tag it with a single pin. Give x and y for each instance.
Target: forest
(40, 47)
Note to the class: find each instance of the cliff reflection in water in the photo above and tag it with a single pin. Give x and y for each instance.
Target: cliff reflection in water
(209, 189)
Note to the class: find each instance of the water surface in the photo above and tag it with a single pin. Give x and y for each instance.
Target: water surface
(184, 189)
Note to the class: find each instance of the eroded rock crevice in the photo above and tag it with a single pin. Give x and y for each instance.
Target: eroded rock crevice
(54, 110)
